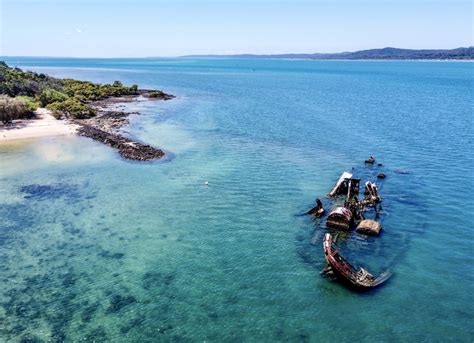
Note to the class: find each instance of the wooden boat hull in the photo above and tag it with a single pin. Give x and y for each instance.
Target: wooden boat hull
(348, 275)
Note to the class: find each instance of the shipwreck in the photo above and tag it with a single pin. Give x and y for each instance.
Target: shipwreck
(371, 193)
(344, 272)
(317, 210)
(369, 227)
(346, 185)
(340, 218)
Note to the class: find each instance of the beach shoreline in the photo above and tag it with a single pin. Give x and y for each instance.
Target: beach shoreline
(43, 125)
(103, 128)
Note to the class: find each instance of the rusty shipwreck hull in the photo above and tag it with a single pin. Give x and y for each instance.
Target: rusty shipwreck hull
(340, 218)
(359, 279)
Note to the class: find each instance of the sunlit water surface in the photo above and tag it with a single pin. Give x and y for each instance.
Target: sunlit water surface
(95, 248)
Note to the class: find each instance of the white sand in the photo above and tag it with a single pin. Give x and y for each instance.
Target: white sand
(44, 126)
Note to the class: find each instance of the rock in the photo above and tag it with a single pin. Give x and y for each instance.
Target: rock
(369, 227)
(103, 127)
(156, 94)
(370, 160)
(127, 148)
(381, 176)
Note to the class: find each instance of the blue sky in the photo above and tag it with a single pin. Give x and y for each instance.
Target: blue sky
(141, 28)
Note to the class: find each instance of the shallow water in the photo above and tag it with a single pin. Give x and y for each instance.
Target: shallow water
(96, 248)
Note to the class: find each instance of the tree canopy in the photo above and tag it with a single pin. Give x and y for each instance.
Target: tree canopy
(65, 97)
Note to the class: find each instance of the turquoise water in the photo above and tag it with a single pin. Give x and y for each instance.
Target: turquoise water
(95, 248)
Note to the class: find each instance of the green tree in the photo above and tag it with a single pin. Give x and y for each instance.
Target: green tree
(48, 96)
(12, 109)
(71, 108)
(29, 102)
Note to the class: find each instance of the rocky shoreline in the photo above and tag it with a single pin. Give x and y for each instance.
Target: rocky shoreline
(105, 125)
(127, 148)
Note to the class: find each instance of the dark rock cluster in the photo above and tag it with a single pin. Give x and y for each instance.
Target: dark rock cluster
(127, 148)
(155, 94)
(103, 127)
(108, 120)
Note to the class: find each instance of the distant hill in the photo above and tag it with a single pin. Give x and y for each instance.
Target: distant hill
(372, 54)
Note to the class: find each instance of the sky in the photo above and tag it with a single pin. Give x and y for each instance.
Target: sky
(146, 28)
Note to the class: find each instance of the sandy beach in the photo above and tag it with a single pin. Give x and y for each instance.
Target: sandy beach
(45, 125)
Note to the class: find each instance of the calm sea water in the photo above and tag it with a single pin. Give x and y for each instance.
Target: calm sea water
(95, 248)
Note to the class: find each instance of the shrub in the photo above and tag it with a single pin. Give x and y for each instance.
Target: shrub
(88, 91)
(156, 94)
(134, 89)
(29, 102)
(71, 108)
(64, 97)
(12, 109)
(49, 96)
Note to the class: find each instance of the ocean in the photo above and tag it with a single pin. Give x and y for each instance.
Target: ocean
(97, 248)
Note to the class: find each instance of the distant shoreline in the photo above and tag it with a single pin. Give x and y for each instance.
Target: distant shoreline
(372, 54)
(328, 60)
(388, 53)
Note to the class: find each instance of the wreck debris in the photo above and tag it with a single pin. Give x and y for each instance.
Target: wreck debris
(338, 266)
(345, 185)
(336, 189)
(317, 210)
(369, 227)
(371, 193)
(352, 188)
(370, 160)
(340, 218)
(381, 175)
(356, 207)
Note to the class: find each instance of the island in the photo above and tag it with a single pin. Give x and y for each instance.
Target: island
(388, 53)
(35, 105)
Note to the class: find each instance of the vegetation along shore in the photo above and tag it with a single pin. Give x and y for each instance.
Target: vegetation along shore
(28, 100)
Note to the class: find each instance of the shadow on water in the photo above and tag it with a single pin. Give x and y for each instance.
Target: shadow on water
(49, 192)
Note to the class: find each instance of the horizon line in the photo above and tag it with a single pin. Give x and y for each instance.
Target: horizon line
(230, 54)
